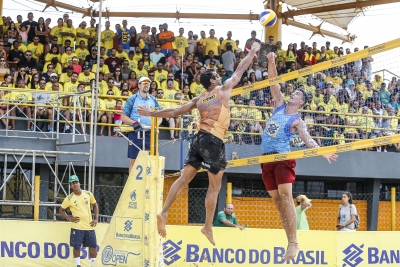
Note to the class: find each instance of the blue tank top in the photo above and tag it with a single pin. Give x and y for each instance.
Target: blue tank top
(277, 135)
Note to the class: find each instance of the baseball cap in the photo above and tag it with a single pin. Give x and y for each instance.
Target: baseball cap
(144, 79)
(70, 67)
(86, 67)
(54, 74)
(131, 52)
(73, 178)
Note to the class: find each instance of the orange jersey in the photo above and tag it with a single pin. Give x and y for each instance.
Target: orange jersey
(214, 116)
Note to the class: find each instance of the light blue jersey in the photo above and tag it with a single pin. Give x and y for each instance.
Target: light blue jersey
(277, 135)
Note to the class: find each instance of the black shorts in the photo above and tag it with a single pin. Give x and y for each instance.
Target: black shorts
(82, 238)
(208, 152)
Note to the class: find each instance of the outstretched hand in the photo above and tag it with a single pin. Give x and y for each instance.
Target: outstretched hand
(143, 110)
(255, 46)
(271, 56)
(330, 157)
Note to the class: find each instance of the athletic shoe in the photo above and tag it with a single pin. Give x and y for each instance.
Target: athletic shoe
(49, 129)
(32, 128)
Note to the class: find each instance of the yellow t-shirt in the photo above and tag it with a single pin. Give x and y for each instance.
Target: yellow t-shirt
(291, 57)
(231, 42)
(343, 109)
(102, 87)
(49, 86)
(197, 89)
(21, 48)
(320, 56)
(81, 53)
(103, 69)
(100, 103)
(37, 50)
(164, 105)
(67, 59)
(181, 43)
(211, 44)
(254, 114)
(147, 66)
(137, 57)
(330, 52)
(309, 89)
(122, 55)
(238, 112)
(56, 31)
(132, 64)
(71, 87)
(79, 39)
(160, 76)
(50, 56)
(80, 207)
(108, 36)
(163, 85)
(64, 78)
(85, 79)
(92, 31)
(68, 30)
(140, 73)
(280, 55)
(110, 105)
(170, 94)
(21, 97)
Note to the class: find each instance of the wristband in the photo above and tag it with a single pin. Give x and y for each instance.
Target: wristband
(137, 127)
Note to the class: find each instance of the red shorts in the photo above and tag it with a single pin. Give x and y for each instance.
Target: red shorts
(276, 173)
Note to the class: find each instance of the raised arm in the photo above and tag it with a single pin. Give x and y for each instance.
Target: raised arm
(169, 112)
(241, 68)
(301, 128)
(276, 93)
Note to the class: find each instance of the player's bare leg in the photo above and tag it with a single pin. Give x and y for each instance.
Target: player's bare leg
(214, 187)
(284, 202)
(187, 175)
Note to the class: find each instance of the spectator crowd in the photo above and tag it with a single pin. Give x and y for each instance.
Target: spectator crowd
(62, 57)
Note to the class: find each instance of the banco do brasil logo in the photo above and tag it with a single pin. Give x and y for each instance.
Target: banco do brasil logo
(171, 250)
(353, 255)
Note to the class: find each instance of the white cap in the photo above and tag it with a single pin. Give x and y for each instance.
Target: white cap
(53, 74)
(144, 79)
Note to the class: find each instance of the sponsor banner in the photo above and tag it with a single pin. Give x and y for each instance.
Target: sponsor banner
(46, 244)
(42, 244)
(359, 249)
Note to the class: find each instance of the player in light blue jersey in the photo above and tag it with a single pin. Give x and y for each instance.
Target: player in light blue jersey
(278, 177)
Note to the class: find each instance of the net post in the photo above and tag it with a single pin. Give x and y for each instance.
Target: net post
(152, 139)
(229, 193)
(36, 198)
(393, 211)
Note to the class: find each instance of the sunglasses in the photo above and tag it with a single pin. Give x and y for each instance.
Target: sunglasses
(149, 74)
(2, 61)
(145, 82)
(117, 71)
(42, 83)
(159, 93)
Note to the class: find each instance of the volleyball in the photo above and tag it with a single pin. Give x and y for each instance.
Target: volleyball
(267, 18)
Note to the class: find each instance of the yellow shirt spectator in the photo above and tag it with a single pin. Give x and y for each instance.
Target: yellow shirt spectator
(160, 76)
(132, 64)
(141, 73)
(107, 36)
(50, 56)
(170, 94)
(56, 31)
(254, 114)
(122, 55)
(79, 39)
(64, 78)
(164, 85)
(238, 112)
(85, 78)
(197, 89)
(20, 97)
(343, 109)
(181, 44)
(231, 42)
(280, 55)
(148, 65)
(70, 87)
(211, 44)
(37, 50)
(81, 53)
(100, 103)
(290, 57)
(21, 48)
(309, 89)
(70, 38)
(103, 86)
(110, 104)
(164, 105)
(322, 56)
(137, 57)
(104, 69)
(67, 59)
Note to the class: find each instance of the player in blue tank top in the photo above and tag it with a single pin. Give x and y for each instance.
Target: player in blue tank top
(278, 177)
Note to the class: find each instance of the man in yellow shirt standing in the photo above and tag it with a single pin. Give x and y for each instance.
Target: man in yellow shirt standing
(36, 48)
(82, 34)
(228, 40)
(82, 228)
(107, 38)
(212, 43)
(68, 32)
(181, 43)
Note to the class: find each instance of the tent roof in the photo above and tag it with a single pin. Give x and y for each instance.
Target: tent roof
(341, 18)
